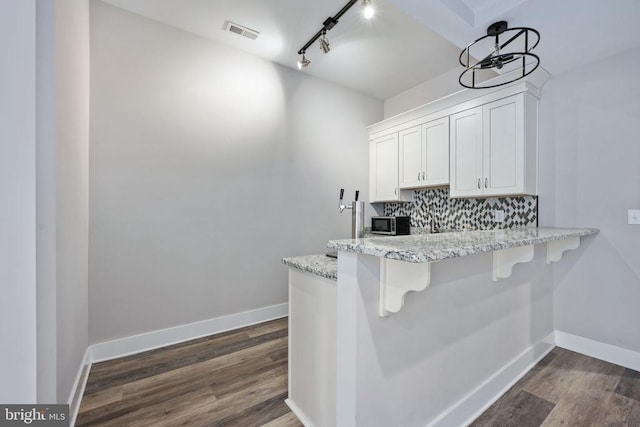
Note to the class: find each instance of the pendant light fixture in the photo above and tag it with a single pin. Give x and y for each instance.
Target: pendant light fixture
(368, 12)
(509, 56)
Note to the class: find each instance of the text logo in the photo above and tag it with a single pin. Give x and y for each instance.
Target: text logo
(34, 415)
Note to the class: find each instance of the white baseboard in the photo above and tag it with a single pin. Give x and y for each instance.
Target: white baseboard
(298, 413)
(475, 403)
(482, 397)
(599, 350)
(75, 397)
(155, 339)
(148, 341)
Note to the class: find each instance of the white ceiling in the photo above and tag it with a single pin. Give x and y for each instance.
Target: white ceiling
(408, 41)
(381, 57)
(573, 32)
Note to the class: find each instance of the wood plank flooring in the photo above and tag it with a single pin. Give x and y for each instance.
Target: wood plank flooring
(569, 389)
(237, 378)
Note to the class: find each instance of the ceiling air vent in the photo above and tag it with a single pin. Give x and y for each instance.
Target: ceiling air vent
(241, 30)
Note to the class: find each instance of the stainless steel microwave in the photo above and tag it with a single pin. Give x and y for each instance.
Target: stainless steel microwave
(391, 225)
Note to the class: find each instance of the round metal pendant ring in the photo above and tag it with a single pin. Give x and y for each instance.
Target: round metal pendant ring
(520, 76)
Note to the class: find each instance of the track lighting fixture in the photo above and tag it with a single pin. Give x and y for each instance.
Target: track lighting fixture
(328, 24)
(324, 44)
(303, 62)
(510, 64)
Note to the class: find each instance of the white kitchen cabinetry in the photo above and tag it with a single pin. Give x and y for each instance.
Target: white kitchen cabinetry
(491, 138)
(494, 148)
(411, 153)
(383, 173)
(466, 153)
(424, 155)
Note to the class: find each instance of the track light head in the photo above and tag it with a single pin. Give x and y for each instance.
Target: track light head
(303, 62)
(324, 44)
(367, 9)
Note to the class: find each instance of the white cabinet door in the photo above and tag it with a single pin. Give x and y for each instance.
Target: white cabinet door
(494, 149)
(466, 153)
(383, 161)
(435, 137)
(411, 152)
(503, 154)
(424, 155)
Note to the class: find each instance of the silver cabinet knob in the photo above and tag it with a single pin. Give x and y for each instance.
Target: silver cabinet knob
(418, 176)
(486, 183)
(478, 183)
(395, 191)
(423, 178)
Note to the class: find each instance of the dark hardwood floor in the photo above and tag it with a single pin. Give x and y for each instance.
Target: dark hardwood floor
(569, 389)
(237, 378)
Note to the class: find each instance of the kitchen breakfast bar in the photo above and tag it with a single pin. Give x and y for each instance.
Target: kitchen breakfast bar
(365, 351)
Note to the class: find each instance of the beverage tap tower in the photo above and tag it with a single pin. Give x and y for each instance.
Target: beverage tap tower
(357, 214)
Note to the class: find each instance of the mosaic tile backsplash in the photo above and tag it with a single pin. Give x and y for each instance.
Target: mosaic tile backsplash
(460, 214)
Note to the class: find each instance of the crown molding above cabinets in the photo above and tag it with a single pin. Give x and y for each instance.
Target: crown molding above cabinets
(482, 143)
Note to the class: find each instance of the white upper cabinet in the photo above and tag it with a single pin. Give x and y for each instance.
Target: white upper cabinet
(424, 155)
(411, 155)
(435, 135)
(383, 173)
(466, 153)
(480, 143)
(494, 149)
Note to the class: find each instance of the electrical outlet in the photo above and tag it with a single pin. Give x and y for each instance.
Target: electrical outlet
(498, 216)
(634, 216)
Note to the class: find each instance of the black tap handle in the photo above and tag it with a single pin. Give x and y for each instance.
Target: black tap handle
(357, 194)
(341, 193)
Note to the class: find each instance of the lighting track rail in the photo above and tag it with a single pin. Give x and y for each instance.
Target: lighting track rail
(327, 25)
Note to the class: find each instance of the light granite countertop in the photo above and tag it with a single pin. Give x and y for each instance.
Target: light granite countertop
(435, 247)
(320, 265)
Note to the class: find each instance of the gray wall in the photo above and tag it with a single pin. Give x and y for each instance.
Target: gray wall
(43, 224)
(443, 85)
(72, 189)
(18, 202)
(208, 165)
(590, 176)
(62, 194)
(47, 372)
(436, 88)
